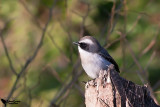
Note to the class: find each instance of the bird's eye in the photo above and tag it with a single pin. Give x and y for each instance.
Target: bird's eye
(84, 46)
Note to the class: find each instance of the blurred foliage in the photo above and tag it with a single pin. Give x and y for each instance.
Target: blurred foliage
(53, 67)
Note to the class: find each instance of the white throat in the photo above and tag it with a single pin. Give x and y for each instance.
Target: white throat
(92, 63)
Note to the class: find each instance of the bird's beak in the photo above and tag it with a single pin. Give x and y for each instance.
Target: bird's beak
(76, 43)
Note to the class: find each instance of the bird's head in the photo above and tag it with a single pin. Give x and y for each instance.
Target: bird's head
(88, 44)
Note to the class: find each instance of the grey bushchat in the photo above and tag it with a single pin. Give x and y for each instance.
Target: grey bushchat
(93, 56)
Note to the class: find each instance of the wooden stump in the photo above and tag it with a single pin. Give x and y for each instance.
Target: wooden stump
(111, 90)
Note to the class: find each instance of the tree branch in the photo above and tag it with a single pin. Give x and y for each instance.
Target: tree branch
(111, 90)
(30, 59)
(6, 50)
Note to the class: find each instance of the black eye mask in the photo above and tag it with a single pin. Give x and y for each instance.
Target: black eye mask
(84, 46)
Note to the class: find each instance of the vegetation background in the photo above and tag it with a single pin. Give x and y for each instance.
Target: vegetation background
(40, 66)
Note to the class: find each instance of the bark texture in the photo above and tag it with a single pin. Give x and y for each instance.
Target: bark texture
(111, 90)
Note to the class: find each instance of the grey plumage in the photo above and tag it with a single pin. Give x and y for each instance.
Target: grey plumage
(105, 55)
(93, 56)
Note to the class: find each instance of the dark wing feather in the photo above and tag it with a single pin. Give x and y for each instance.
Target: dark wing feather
(105, 55)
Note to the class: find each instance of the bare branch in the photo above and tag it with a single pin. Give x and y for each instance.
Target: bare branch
(111, 20)
(150, 45)
(39, 26)
(111, 90)
(68, 86)
(6, 51)
(124, 35)
(150, 59)
(30, 59)
(143, 72)
(83, 22)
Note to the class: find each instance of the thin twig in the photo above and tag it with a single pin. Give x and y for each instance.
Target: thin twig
(68, 86)
(111, 20)
(124, 33)
(69, 38)
(135, 59)
(121, 37)
(30, 59)
(6, 51)
(150, 60)
(150, 45)
(142, 73)
(83, 22)
(39, 26)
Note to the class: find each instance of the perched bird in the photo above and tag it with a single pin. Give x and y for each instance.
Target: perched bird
(93, 56)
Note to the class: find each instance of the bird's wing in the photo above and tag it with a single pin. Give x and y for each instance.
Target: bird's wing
(105, 55)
